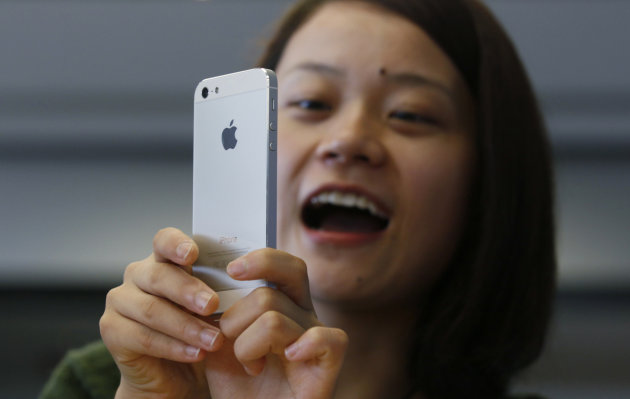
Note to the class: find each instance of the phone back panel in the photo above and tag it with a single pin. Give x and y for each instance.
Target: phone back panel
(234, 171)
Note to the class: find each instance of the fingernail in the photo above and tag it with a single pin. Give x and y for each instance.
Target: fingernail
(191, 351)
(236, 268)
(202, 299)
(291, 350)
(208, 337)
(183, 249)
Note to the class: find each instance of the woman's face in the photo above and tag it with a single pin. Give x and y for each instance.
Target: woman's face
(375, 155)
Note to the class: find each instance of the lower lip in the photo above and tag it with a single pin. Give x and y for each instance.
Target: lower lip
(341, 239)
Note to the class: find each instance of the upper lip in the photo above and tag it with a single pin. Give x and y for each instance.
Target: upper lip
(366, 198)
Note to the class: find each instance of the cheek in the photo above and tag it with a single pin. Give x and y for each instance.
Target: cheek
(293, 154)
(290, 151)
(286, 160)
(440, 185)
(436, 194)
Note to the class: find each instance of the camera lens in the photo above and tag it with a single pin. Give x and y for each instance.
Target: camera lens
(204, 92)
(216, 90)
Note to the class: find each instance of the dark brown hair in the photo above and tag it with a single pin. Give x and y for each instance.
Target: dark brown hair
(487, 315)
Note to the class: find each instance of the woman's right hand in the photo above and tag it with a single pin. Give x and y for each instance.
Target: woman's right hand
(152, 325)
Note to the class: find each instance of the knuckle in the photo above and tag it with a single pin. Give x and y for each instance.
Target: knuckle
(154, 274)
(176, 350)
(272, 320)
(263, 254)
(131, 269)
(191, 284)
(317, 334)
(230, 326)
(330, 336)
(109, 298)
(104, 325)
(337, 340)
(268, 256)
(229, 330)
(112, 296)
(239, 349)
(299, 265)
(340, 336)
(162, 235)
(266, 299)
(147, 339)
(188, 330)
(149, 309)
(108, 331)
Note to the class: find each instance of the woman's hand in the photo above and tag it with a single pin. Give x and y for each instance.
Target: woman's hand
(272, 345)
(275, 346)
(150, 324)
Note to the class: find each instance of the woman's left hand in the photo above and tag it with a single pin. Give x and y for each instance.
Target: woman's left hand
(275, 346)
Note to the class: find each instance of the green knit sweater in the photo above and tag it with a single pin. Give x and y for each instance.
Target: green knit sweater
(85, 373)
(90, 373)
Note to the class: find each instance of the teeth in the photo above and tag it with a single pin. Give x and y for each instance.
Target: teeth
(348, 200)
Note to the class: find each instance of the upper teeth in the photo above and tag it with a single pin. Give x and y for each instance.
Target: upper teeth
(348, 200)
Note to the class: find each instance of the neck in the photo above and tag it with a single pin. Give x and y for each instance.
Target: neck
(376, 362)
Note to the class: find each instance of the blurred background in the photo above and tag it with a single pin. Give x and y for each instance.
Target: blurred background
(96, 156)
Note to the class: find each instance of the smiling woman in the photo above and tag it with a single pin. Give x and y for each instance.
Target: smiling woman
(420, 123)
(415, 235)
(402, 139)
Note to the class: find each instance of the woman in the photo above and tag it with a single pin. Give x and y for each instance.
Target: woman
(421, 113)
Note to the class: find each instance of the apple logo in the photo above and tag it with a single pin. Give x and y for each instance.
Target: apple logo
(229, 136)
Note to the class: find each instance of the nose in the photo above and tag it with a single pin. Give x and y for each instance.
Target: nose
(356, 138)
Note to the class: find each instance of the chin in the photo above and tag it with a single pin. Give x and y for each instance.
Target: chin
(340, 282)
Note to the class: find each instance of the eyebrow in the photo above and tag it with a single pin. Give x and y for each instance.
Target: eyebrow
(317, 67)
(414, 79)
(404, 78)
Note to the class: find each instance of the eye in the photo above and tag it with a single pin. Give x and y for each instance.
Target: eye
(413, 117)
(311, 105)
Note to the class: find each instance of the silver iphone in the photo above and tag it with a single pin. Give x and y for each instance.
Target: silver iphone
(234, 175)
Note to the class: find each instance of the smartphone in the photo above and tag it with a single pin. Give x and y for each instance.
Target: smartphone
(234, 175)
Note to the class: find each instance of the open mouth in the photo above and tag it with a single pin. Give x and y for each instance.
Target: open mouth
(336, 211)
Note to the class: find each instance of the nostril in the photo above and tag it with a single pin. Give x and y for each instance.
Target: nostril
(362, 158)
(334, 156)
(345, 150)
(342, 158)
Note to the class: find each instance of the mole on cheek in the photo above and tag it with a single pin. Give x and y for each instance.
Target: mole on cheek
(382, 71)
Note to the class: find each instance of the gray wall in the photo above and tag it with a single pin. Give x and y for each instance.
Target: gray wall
(96, 144)
(96, 132)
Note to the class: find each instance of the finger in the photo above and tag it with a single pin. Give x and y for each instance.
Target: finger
(320, 351)
(286, 271)
(271, 333)
(172, 245)
(262, 300)
(145, 342)
(171, 282)
(325, 345)
(165, 317)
